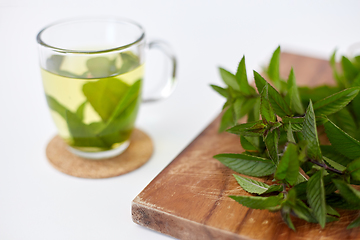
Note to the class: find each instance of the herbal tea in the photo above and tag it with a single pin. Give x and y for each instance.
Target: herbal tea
(94, 103)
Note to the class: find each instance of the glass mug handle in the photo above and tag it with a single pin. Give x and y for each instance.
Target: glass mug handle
(171, 81)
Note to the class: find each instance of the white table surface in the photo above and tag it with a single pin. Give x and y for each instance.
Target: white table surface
(37, 201)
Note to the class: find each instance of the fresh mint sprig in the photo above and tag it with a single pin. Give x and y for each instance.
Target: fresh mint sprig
(281, 140)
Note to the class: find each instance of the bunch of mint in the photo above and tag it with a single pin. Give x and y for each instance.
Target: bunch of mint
(281, 141)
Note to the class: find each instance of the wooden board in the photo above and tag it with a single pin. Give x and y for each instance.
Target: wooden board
(189, 198)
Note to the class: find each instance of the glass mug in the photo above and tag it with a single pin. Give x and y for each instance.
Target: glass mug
(92, 72)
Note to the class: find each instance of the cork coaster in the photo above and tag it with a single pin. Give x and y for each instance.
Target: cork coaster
(136, 155)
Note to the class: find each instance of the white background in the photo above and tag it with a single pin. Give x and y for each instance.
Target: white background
(37, 201)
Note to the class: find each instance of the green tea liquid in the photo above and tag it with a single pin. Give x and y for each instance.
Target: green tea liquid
(94, 114)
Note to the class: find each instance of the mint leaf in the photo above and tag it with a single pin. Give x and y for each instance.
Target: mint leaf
(251, 129)
(285, 215)
(288, 167)
(242, 79)
(251, 186)
(349, 70)
(316, 197)
(331, 211)
(350, 194)
(310, 134)
(330, 152)
(246, 164)
(341, 141)
(229, 79)
(244, 107)
(316, 94)
(273, 69)
(354, 169)
(345, 121)
(222, 91)
(340, 81)
(334, 164)
(82, 134)
(266, 110)
(56, 106)
(80, 111)
(123, 117)
(130, 61)
(250, 143)
(227, 120)
(335, 102)
(104, 95)
(290, 135)
(99, 67)
(271, 142)
(275, 99)
(258, 202)
(354, 224)
(293, 97)
(296, 123)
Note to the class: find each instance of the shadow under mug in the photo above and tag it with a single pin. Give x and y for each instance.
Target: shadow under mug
(92, 72)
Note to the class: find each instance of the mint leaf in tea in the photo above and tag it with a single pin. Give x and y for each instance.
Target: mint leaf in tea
(94, 102)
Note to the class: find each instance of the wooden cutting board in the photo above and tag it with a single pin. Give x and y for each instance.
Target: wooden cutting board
(189, 198)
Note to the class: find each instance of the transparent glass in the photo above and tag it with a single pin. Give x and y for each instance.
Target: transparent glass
(92, 72)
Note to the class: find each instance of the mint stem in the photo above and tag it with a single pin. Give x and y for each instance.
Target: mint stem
(326, 167)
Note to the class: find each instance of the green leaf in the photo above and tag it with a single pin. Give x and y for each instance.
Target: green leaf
(250, 143)
(266, 110)
(345, 121)
(245, 106)
(249, 129)
(274, 188)
(350, 194)
(130, 61)
(354, 224)
(334, 164)
(340, 81)
(331, 211)
(258, 202)
(124, 115)
(251, 186)
(337, 201)
(316, 94)
(242, 79)
(229, 79)
(273, 69)
(354, 169)
(349, 70)
(297, 123)
(246, 164)
(80, 111)
(104, 95)
(222, 91)
(254, 113)
(356, 101)
(288, 167)
(330, 152)
(275, 99)
(310, 134)
(82, 134)
(99, 67)
(56, 106)
(227, 120)
(335, 102)
(293, 96)
(303, 212)
(341, 141)
(271, 142)
(316, 197)
(290, 135)
(285, 215)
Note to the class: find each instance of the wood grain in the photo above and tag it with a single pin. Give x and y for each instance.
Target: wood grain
(189, 198)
